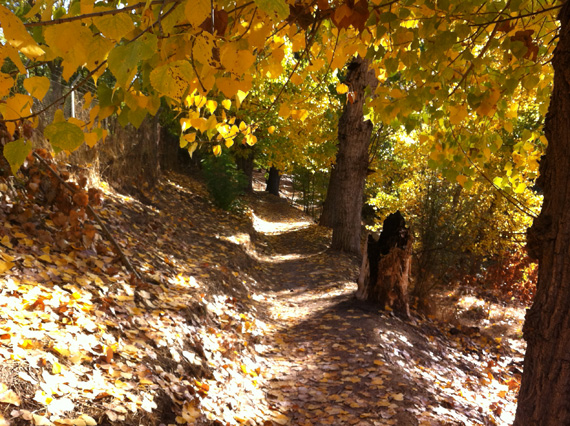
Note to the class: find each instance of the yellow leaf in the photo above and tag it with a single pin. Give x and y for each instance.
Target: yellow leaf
(488, 105)
(172, 79)
(41, 420)
(6, 241)
(8, 396)
(8, 51)
(250, 139)
(86, 6)
(211, 123)
(461, 179)
(271, 130)
(188, 138)
(234, 60)
(296, 79)
(457, 114)
(3, 421)
(56, 368)
(91, 139)
(341, 88)
(114, 27)
(240, 96)
(227, 104)
(199, 123)
(199, 101)
(217, 150)
(284, 111)
(519, 190)
(228, 86)
(196, 11)
(211, 106)
(192, 148)
(281, 419)
(35, 9)
(16, 34)
(6, 83)
(5, 266)
(398, 396)
(16, 107)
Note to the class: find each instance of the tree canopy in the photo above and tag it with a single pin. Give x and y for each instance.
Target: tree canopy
(452, 74)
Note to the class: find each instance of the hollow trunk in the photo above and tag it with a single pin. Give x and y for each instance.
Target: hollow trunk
(273, 181)
(343, 205)
(545, 388)
(385, 269)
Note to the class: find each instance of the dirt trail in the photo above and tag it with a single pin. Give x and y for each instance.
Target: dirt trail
(241, 319)
(333, 361)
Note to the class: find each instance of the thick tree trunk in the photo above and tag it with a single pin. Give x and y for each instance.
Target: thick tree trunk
(343, 206)
(385, 269)
(273, 181)
(545, 390)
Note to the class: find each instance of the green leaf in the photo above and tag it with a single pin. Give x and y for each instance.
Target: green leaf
(388, 17)
(123, 60)
(65, 136)
(105, 95)
(278, 8)
(530, 82)
(16, 152)
(137, 116)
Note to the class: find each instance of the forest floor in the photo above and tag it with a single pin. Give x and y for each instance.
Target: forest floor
(240, 318)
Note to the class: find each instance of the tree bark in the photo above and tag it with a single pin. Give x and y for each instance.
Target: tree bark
(545, 388)
(385, 269)
(343, 205)
(273, 181)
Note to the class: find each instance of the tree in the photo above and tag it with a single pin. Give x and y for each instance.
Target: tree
(440, 66)
(385, 270)
(545, 387)
(343, 205)
(273, 179)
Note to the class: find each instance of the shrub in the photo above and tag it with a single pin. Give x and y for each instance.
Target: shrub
(224, 180)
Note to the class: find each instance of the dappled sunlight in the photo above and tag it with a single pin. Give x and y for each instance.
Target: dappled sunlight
(259, 321)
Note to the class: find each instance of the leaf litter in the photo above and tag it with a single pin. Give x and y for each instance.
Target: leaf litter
(241, 319)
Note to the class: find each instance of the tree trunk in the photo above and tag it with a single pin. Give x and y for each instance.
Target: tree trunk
(244, 160)
(343, 206)
(385, 269)
(273, 181)
(545, 388)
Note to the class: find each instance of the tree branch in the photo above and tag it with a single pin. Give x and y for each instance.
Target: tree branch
(98, 14)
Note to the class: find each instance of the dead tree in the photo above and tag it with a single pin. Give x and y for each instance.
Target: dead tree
(385, 267)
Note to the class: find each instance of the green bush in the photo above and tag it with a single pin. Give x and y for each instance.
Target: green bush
(224, 180)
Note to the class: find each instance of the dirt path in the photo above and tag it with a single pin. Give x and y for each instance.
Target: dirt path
(241, 319)
(333, 361)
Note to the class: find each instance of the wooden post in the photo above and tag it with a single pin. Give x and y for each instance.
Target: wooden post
(385, 269)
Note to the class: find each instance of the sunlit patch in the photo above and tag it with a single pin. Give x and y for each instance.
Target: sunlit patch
(184, 281)
(276, 228)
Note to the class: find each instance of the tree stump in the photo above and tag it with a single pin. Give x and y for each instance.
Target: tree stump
(385, 269)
